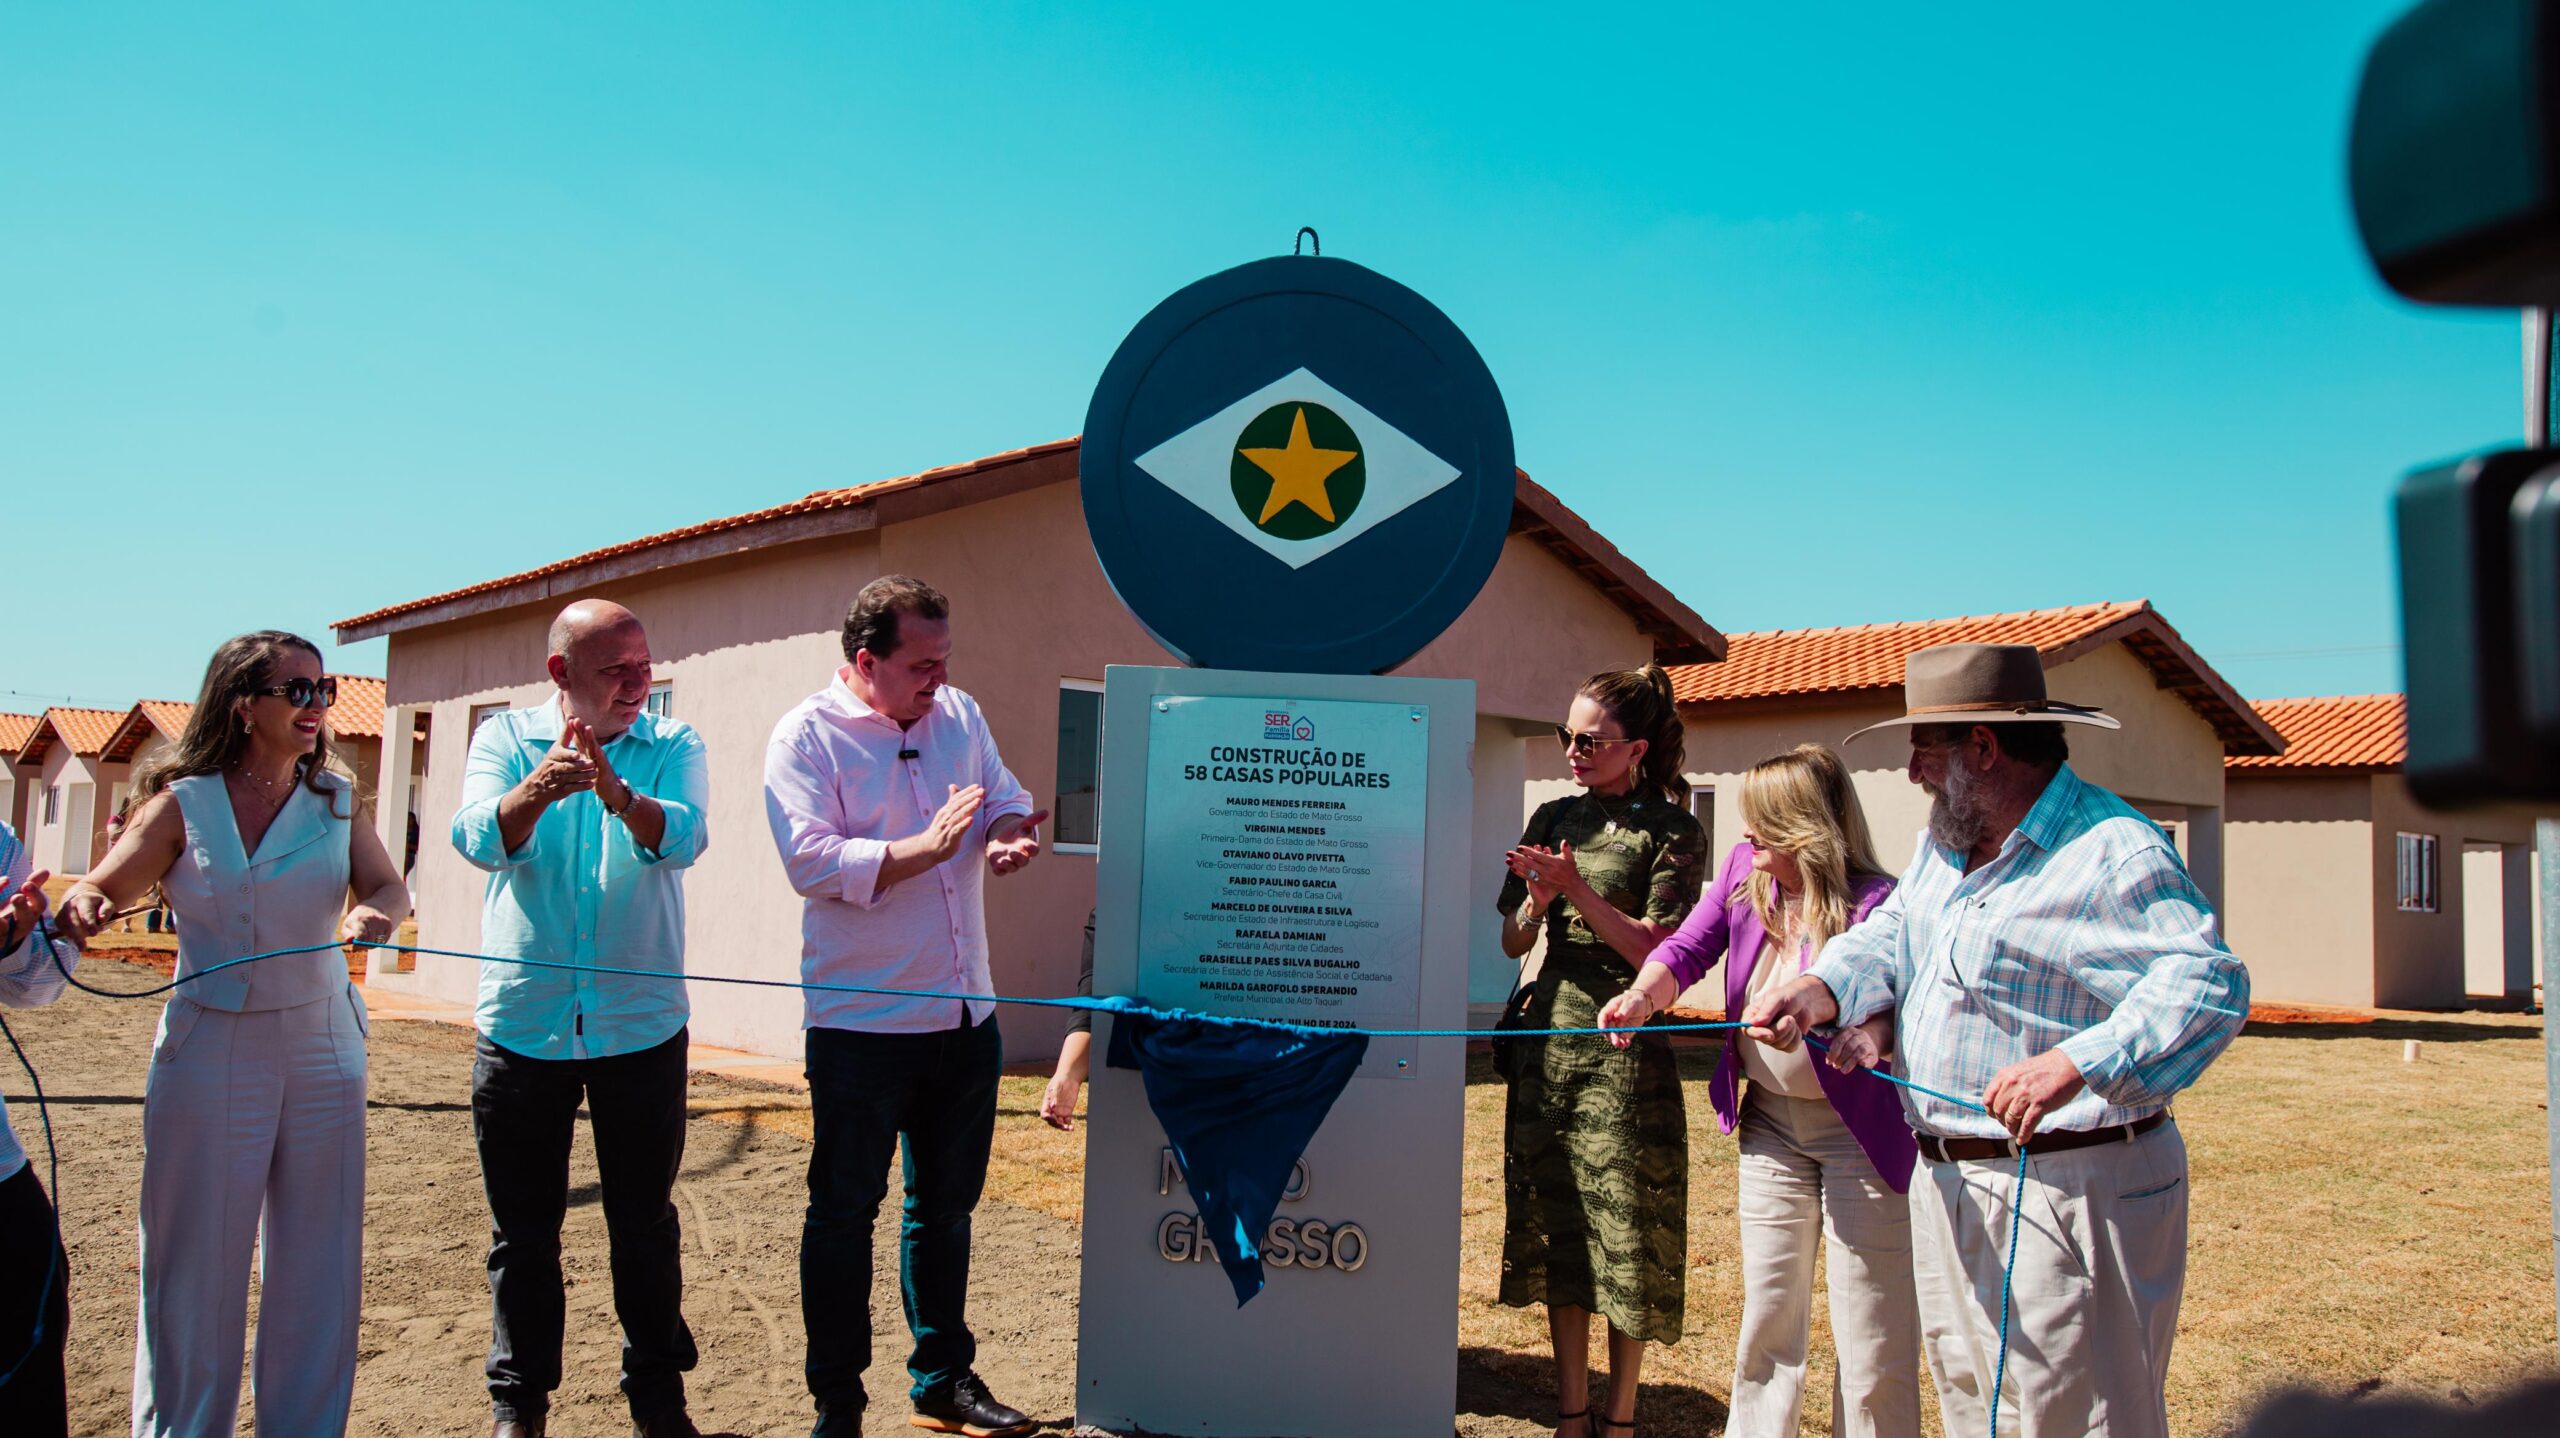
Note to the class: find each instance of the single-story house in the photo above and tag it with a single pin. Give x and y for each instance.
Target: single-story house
(63, 761)
(1781, 688)
(2344, 889)
(150, 725)
(744, 615)
(15, 783)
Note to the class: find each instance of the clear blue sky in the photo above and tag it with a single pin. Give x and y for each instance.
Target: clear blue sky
(309, 309)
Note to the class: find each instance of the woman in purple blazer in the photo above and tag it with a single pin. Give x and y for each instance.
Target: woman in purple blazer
(1821, 1143)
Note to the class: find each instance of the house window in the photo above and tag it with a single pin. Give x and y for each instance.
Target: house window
(1702, 803)
(480, 714)
(53, 804)
(2418, 892)
(662, 699)
(1078, 815)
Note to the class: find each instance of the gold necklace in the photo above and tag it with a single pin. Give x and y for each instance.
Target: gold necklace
(276, 793)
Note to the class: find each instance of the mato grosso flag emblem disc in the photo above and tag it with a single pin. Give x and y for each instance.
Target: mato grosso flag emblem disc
(1297, 465)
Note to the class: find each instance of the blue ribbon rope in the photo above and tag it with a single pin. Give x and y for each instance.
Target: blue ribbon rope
(1121, 1007)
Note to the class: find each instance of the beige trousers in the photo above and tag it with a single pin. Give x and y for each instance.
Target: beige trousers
(1805, 1181)
(2102, 1258)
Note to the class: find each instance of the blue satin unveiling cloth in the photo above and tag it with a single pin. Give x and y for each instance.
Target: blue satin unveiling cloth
(1239, 1102)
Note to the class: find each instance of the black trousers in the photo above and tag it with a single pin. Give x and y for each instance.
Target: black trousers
(523, 1114)
(867, 1092)
(35, 1276)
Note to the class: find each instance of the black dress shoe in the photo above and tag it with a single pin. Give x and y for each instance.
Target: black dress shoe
(966, 1407)
(837, 1421)
(664, 1423)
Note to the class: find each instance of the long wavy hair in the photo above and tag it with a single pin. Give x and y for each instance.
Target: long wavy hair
(1802, 804)
(1640, 700)
(215, 735)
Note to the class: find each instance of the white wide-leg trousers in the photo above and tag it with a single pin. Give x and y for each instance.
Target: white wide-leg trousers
(253, 1139)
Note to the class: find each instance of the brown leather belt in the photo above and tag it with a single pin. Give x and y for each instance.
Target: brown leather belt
(1968, 1150)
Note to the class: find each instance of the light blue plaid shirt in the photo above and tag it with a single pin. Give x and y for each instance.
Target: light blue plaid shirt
(2085, 933)
(28, 978)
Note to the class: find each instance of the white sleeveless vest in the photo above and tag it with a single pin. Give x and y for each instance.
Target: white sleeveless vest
(232, 904)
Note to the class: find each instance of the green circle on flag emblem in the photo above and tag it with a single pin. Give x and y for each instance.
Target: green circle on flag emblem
(1297, 471)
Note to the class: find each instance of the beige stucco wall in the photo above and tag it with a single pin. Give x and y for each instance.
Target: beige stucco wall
(2314, 903)
(2165, 754)
(744, 638)
(2417, 957)
(2299, 882)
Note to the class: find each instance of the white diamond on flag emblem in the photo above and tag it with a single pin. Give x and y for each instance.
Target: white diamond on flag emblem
(1297, 468)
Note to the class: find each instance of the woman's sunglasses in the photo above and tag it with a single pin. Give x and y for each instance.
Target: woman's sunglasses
(303, 693)
(1585, 743)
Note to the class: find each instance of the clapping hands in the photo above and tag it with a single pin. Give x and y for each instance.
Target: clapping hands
(1550, 872)
(565, 769)
(949, 827)
(1015, 842)
(607, 784)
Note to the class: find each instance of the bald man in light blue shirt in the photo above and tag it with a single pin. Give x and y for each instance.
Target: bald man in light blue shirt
(586, 812)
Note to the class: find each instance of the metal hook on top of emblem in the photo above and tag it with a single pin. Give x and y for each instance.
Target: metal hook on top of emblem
(1306, 235)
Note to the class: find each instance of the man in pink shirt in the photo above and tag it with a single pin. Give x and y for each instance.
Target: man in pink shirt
(883, 789)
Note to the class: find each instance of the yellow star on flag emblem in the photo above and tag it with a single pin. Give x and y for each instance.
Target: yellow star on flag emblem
(1298, 472)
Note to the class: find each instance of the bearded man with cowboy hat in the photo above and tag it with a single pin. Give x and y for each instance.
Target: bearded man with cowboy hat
(2046, 950)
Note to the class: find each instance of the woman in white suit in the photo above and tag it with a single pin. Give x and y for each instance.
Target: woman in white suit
(253, 1115)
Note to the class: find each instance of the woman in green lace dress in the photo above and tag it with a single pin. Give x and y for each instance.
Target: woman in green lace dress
(1595, 1143)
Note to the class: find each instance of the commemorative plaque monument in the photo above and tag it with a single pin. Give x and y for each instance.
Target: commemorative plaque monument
(1296, 473)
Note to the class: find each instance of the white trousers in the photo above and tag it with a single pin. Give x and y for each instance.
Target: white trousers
(2102, 1259)
(1806, 1181)
(252, 1137)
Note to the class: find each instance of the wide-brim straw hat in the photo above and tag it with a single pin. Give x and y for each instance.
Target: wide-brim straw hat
(1982, 684)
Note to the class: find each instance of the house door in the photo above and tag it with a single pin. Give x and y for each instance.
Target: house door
(2496, 958)
(78, 828)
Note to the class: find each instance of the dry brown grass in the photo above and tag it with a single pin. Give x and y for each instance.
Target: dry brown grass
(1034, 1166)
(2359, 1223)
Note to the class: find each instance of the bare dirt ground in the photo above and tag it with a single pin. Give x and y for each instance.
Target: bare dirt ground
(426, 1316)
(2360, 1223)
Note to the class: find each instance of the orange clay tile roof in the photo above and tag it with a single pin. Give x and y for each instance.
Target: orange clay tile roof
(358, 712)
(169, 716)
(2364, 732)
(1807, 664)
(1678, 634)
(85, 730)
(821, 501)
(165, 717)
(15, 730)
